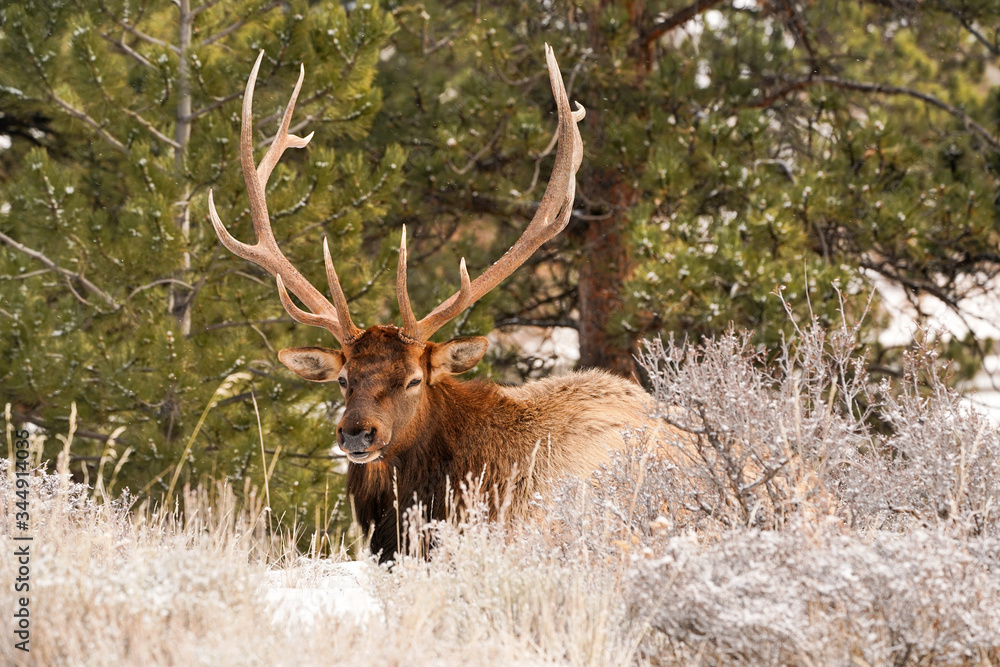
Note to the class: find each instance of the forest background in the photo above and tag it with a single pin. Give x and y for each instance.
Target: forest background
(733, 149)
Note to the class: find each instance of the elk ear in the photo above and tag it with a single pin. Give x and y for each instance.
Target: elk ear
(456, 356)
(318, 364)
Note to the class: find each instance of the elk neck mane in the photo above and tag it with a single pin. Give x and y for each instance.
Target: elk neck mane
(499, 435)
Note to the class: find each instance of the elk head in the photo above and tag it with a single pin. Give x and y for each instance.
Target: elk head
(386, 372)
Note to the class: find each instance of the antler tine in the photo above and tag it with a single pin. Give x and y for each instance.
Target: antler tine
(552, 216)
(402, 295)
(283, 139)
(449, 309)
(339, 298)
(417, 330)
(297, 313)
(265, 252)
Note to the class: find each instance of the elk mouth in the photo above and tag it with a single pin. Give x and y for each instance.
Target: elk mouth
(364, 457)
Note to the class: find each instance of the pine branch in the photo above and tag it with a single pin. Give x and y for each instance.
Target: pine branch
(152, 130)
(225, 32)
(34, 254)
(882, 89)
(82, 115)
(132, 30)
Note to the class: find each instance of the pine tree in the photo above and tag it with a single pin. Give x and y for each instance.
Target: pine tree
(117, 296)
(732, 150)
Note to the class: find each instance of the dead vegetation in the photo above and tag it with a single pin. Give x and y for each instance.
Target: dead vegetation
(812, 516)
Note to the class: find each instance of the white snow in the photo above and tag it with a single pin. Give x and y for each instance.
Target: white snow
(299, 594)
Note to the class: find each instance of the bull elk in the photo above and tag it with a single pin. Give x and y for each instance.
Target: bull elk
(411, 431)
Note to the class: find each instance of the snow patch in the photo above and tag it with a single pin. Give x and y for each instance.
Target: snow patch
(299, 594)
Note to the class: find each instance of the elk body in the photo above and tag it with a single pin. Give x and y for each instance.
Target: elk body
(410, 429)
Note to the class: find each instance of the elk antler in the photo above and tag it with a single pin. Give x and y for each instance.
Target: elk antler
(551, 218)
(335, 317)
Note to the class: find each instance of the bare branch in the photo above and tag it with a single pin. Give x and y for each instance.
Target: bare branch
(883, 89)
(163, 281)
(545, 324)
(201, 8)
(25, 276)
(213, 106)
(152, 130)
(120, 45)
(28, 419)
(678, 18)
(461, 171)
(226, 325)
(993, 48)
(225, 32)
(34, 254)
(81, 115)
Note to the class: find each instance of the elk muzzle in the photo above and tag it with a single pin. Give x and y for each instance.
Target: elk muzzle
(361, 442)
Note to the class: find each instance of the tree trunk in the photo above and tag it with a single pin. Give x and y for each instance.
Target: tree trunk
(180, 296)
(604, 268)
(604, 265)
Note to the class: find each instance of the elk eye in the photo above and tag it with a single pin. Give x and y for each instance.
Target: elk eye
(343, 382)
(413, 383)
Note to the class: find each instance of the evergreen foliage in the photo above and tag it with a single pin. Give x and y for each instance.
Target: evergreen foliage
(731, 149)
(117, 296)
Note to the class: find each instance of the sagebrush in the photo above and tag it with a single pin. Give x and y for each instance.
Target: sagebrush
(800, 512)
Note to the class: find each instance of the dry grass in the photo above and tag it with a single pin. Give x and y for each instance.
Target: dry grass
(109, 586)
(785, 530)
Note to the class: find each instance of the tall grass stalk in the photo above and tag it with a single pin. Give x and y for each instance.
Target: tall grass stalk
(798, 512)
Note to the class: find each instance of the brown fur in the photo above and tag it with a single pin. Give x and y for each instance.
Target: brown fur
(515, 439)
(407, 423)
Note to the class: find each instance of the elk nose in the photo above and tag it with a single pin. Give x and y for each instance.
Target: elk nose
(356, 440)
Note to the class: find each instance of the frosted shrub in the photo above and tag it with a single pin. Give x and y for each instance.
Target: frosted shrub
(787, 510)
(788, 598)
(940, 463)
(750, 446)
(789, 443)
(797, 513)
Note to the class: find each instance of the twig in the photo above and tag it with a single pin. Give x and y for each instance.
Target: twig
(883, 89)
(225, 32)
(152, 130)
(34, 254)
(81, 115)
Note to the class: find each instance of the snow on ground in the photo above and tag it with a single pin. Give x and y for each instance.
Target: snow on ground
(558, 345)
(300, 593)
